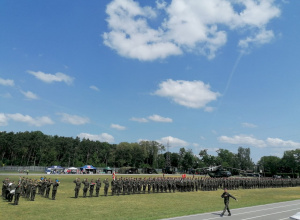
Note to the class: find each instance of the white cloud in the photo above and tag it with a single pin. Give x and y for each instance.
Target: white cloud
(276, 142)
(104, 137)
(192, 94)
(94, 88)
(30, 95)
(74, 119)
(38, 121)
(242, 140)
(118, 127)
(262, 37)
(248, 125)
(173, 142)
(130, 34)
(252, 141)
(3, 119)
(49, 78)
(141, 120)
(158, 118)
(187, 26)
(6, 82)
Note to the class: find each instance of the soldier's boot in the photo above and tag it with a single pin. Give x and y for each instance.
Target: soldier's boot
(229, 214)
(222, 214)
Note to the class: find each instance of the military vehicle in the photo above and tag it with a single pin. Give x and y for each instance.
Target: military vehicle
(149, 171)
(169, 170)
(129, 170)
(217, 172)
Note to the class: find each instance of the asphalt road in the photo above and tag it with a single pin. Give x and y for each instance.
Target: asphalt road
(274, 211)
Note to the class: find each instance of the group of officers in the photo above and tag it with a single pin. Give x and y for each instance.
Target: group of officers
(130, 185)
(28, 188)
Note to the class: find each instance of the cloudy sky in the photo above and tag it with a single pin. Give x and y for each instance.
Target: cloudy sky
(194, 74)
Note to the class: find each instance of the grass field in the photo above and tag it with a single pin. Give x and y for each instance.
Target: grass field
(137, 206)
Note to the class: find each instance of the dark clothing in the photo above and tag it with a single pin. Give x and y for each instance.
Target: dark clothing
(54, 189)
(85, 188)
(77, 187)
(226, 197)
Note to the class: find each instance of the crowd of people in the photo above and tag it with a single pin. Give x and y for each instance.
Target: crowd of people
(28, 188)
(130, 185)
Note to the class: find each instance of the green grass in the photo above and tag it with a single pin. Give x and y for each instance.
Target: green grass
(138, 206)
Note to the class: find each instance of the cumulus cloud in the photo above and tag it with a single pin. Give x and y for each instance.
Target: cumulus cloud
(118, 127)
(94, 88)
(3, 119)
(242, 140)
(6, 82)
(158, 118)
(252, 141)
(186, 26)
(30, 95)
(173, 142)
(73, 119)
(38, 121)
(141, 120)
(277, 142)
(192, 94)
(49, 78)
(104, 137)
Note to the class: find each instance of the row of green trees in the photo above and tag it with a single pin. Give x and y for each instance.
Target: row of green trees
(37, 149)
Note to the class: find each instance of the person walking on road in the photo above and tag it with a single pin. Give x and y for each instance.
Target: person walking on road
(226, 197)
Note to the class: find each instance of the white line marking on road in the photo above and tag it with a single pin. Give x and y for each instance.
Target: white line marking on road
(270, 214)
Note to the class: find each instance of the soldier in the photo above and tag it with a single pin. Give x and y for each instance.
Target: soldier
(92, 185)
(17, 193)
(86, 185)
(144, 182)
(28, 188)
(106, 186)
(113, 187)
(11, 190)
(33, 191)
(98, 186)
(119, 185)
(125, 186)
(48, 187)
(43, 186)
(77, 186)
(54, 188)
(226, 197)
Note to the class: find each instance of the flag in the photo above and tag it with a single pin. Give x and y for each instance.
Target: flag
(114, 175)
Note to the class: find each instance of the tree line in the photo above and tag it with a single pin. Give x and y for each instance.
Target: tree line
(38, 149)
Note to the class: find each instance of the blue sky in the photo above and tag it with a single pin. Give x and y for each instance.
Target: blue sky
(197, 74)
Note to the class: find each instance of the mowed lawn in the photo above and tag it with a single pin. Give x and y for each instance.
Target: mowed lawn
(137, 206)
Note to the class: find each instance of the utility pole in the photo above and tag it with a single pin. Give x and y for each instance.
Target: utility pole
(168, 159)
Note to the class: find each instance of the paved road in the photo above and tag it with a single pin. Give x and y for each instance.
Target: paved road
(274, 211)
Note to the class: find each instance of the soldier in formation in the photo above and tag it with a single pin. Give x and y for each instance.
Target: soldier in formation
(77, 186)
(27, 188)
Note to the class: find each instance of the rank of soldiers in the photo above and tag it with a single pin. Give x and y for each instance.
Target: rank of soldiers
(130, 185)
(28, 188)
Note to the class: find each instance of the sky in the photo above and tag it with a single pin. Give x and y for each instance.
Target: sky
(193, 74)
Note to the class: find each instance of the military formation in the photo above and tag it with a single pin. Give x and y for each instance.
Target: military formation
(130, 185)
(28, 188)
